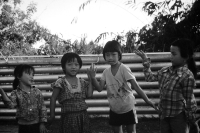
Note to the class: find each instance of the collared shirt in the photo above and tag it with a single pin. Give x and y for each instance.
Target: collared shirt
(30, 107)
(176, 89)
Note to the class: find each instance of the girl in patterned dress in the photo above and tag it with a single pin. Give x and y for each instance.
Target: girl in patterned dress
(71, 93)
(28, 101)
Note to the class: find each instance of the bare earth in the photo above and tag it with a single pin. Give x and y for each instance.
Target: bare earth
(99, 125)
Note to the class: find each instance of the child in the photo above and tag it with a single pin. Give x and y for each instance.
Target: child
(71, 93)
(176, 83)
(120, 83)
(31, 111)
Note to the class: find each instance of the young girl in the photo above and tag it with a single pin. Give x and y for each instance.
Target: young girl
(120, 83)
(71, 93)
(176, 83)
(28, 100)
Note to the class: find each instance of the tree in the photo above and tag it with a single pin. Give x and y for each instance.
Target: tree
(173, 20)
(18, 32)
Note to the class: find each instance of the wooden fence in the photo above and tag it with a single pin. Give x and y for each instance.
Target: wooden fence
(48, 69)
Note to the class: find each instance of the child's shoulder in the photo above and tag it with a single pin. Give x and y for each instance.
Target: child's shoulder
(60, 79)
(164, 69)
(82, 80)
(124, 67)
(106, 70)
(187, 73)
(14, 91)
(36, 89)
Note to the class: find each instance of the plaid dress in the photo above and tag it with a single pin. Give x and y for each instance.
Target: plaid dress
(74, 116)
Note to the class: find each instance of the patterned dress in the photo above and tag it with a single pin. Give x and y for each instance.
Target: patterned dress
(74, 116)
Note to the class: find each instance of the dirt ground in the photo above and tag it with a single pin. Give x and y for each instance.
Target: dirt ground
(99, 125)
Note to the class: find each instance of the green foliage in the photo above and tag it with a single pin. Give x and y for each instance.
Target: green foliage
(173, 20)
(17, 31)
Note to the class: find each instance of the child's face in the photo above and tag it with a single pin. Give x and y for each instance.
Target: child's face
(72, 68)
(27, 78)
(176, 58)
(112, 57)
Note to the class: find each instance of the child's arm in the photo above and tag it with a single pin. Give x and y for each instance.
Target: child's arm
(7, 101)
(90, 88)
(54, 96)
(188, 84)
(99, 86)
(42, 108)
(149, 75)
(4, 96)
(137, 88)
(42, 113)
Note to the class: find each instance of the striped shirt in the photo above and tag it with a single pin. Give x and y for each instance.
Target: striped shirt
(176, 89)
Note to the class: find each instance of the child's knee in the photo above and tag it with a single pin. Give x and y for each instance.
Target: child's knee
(131, 128)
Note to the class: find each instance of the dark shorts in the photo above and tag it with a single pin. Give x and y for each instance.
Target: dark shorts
(176, 124)
(122, 119)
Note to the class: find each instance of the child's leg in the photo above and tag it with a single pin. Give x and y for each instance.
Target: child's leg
(117, 129)
(179, 124)
(165, 125)
(131, 128)
(115, 122)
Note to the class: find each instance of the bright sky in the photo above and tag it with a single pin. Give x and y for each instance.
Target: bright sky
(99, 16)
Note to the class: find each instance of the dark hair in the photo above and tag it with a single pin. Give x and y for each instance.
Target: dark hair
(112, 46)
(186, 50)
(19, 71)
(69, 57)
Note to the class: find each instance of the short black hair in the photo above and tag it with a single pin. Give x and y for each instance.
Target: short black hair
(68, 57)
(18, 72)
(112, 46)
(186, 51)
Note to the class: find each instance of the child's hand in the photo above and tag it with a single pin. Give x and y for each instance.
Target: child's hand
(197, 127)
(1, 91)
(43, 128)
(154, 105)
(91, 72)
(141, 54)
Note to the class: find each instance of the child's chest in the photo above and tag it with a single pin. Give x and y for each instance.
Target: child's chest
(26, 99)
(72, 92)
(171, 83)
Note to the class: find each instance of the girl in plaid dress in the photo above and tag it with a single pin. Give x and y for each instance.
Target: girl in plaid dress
(176, 83)
(71, 93)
